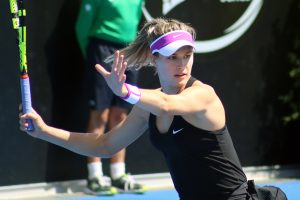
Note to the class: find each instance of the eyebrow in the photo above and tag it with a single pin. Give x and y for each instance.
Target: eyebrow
(187, 52)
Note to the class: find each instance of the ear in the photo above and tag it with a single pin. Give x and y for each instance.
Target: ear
(153, 59)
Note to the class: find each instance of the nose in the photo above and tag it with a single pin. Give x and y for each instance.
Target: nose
(180, 63)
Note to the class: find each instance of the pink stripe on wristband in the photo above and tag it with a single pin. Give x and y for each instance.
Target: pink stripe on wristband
(133, 95)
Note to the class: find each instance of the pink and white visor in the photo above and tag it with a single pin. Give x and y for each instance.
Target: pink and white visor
(170, 42)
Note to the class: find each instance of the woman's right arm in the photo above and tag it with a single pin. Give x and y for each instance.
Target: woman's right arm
(90, 144)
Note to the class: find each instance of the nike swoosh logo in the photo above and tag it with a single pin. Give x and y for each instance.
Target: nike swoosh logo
(175, 36)
(177, 131)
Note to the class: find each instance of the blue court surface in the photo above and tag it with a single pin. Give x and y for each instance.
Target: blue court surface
(291, 188)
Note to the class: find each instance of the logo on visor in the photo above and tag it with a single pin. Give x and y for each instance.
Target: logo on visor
(175, 36)
(230, 35)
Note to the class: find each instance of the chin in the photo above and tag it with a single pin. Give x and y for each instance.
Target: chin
(182, 80)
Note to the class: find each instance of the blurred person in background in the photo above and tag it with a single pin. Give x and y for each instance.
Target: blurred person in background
(102, 27)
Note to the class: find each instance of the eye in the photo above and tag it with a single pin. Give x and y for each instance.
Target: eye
(172, 57)
(187, 56)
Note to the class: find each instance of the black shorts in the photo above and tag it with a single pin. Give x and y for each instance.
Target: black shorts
(99, 94)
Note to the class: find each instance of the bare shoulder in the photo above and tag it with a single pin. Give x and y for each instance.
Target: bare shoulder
(203, 88)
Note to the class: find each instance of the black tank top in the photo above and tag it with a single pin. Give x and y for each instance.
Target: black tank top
(203, 164)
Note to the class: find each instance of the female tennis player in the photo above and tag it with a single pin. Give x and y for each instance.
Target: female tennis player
(185, 117)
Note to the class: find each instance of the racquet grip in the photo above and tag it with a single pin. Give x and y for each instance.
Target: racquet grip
(26, 99)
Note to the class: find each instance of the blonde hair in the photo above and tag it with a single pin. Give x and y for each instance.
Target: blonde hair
(138, 54)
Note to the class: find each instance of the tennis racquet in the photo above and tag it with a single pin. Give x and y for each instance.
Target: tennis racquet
(18, 19)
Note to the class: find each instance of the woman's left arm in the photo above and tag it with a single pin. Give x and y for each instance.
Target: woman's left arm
(192, 100)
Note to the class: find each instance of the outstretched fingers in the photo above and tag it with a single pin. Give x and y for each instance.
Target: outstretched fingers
(116, 61)
(120, 66)
(122, 76)
(116, 77)
(101, 70)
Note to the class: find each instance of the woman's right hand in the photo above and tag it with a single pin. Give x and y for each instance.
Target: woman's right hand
(38, 123)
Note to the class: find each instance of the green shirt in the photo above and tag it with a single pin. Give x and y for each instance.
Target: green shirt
(111, 20)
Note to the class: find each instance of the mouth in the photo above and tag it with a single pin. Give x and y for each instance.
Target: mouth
(180, 75)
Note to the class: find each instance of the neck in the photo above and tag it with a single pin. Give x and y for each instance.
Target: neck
(174, 89)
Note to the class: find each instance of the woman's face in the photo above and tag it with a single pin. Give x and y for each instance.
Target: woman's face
(176, 69)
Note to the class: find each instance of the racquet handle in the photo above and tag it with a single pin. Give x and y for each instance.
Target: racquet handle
(26, 99)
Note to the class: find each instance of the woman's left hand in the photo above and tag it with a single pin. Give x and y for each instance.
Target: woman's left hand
(116, 77)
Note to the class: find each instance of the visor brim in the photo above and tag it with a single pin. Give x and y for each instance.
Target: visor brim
(171, 48)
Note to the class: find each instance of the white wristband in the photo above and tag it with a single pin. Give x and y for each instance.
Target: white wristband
(133, 95)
